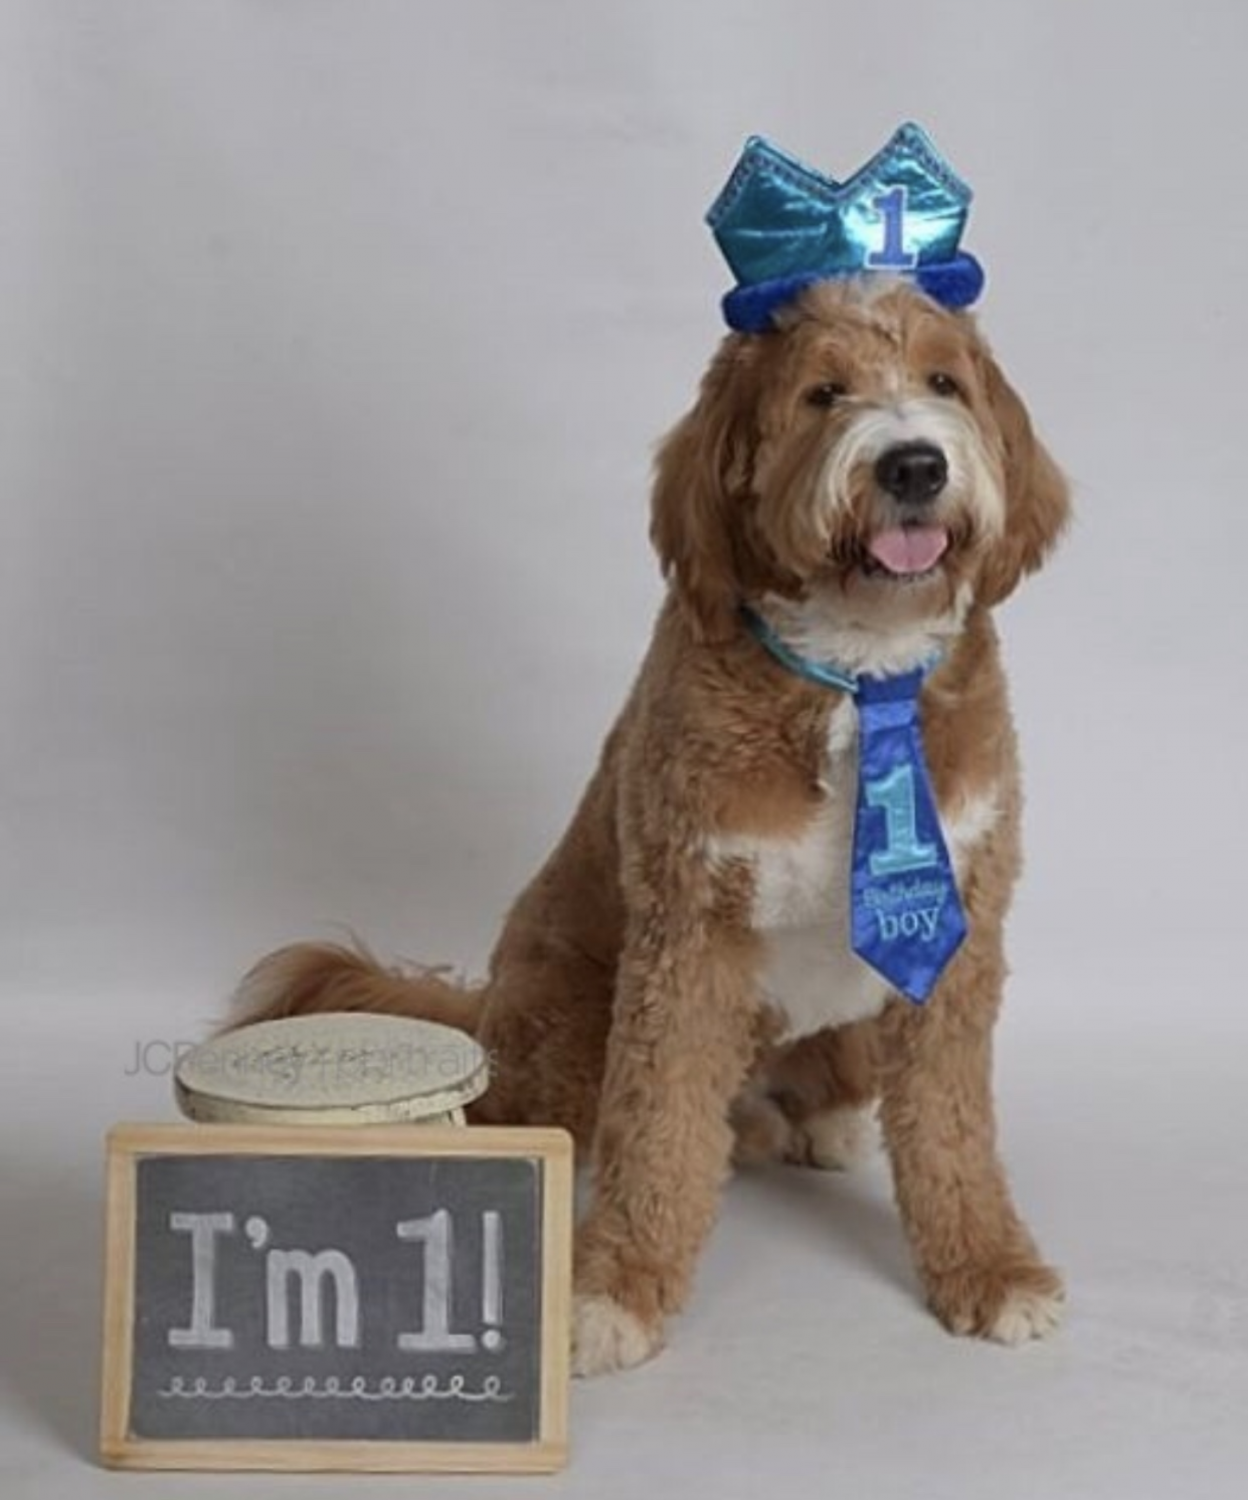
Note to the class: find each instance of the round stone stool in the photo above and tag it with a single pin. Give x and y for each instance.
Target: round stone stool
(333, 1069)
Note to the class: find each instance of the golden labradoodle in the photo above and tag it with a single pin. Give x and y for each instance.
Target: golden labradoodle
(676, 986)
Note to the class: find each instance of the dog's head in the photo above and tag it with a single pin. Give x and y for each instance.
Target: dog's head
(869, 445)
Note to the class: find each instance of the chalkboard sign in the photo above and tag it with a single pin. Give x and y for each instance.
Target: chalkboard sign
(336, 1297)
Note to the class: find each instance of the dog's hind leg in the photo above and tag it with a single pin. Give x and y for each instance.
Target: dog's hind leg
(811, 1102)
(544, 1024)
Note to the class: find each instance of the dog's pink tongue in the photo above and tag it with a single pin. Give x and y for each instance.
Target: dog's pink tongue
(909, 549)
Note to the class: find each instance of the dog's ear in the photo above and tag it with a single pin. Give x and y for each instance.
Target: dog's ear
(1037, 498)
(703, 466)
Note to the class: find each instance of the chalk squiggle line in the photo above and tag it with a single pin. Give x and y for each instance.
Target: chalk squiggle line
(288, 1388)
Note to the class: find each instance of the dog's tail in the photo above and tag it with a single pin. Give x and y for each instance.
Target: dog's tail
(310, 978)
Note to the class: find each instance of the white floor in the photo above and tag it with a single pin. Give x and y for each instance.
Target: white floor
(806, 1365)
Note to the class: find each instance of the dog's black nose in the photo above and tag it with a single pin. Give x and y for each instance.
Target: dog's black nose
(913, 473)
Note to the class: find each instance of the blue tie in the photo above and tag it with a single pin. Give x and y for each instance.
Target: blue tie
(906, 916)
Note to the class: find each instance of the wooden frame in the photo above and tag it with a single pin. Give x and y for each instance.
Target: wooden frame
(119, 1448)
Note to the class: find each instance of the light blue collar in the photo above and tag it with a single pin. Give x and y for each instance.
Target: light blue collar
(824, 674)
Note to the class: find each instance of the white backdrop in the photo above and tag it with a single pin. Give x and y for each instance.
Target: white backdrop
(334, 339)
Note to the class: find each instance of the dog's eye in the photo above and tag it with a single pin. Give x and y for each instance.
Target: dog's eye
(827, 394)
(943, 384)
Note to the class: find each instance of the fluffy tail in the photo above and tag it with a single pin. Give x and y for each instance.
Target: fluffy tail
(309, 978)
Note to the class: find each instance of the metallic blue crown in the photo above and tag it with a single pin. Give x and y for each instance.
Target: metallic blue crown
(782, 226)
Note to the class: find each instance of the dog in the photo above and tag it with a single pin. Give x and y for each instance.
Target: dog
(676, 986)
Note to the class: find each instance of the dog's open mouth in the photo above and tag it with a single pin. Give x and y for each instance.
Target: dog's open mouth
(908, 553)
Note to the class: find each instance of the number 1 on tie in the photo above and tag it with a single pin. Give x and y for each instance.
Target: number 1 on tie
(895, 794)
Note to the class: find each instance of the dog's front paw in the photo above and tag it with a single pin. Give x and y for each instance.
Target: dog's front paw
(607, 1337)
(1009, 1301)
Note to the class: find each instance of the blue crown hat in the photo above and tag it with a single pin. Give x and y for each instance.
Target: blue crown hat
(782, 226)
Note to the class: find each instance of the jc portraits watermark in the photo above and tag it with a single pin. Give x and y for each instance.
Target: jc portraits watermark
(328, 1066)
